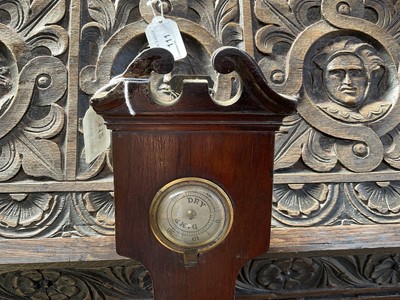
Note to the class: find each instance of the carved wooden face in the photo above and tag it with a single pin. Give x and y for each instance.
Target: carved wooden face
(346, 80)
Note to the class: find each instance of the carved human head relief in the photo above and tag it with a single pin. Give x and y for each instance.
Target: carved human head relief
(346, 79)
(348, 83)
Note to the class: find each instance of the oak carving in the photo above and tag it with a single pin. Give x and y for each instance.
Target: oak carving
(340, 59)
(337, 159)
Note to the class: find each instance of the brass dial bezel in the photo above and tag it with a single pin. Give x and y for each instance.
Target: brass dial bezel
(183, 185)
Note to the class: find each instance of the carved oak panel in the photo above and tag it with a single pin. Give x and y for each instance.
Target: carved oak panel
(337, 159)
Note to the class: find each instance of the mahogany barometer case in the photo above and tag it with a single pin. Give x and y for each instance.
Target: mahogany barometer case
(193, 173)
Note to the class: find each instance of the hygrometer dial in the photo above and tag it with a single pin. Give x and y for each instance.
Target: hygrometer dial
(191, 214)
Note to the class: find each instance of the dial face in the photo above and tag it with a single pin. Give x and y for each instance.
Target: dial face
(191, 214)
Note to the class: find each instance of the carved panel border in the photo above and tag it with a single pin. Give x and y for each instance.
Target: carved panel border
(38, 215)
(283, 278)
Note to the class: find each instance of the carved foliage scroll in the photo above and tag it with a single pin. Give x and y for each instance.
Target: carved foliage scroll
(262, 278)
(335, 274)
(33, 82)
(120, 282)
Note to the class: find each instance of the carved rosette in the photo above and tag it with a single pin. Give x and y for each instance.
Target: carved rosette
(305, 204)
(379, 202)
(385, 269)
(48, 285)
(33, 80)
(22, 209)
(340, 60)
(31, 215)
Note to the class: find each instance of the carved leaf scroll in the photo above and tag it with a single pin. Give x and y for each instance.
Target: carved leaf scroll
(228, 30)
(10, 161)
(39, 157)
(102, 206)
(391, 143)
(32, 81)
(289, 142)
(16, 12)
(38, 26)
(266, 278)
(103, 12)
(118, 282)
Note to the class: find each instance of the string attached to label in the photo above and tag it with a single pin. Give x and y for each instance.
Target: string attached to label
(96, 136)
(165, 33)
(126, 80)
(151, 3)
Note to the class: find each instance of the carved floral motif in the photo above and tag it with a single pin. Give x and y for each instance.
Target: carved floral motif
(267, 277)
(39, 215)
(336, 204)
(377, 202)
(97, 212)
(286, 274)
(387, 271)
(47, 285)
(381, 196)
(118, 282)
(306, 204)
(23, 209)
(102, 206)
(299, 199)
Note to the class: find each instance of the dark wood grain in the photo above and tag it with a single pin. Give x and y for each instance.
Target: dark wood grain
(151, 161)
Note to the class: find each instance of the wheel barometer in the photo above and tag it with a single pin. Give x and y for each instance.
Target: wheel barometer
(193, 175)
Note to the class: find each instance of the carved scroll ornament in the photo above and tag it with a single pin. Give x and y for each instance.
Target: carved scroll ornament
(337, 158)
